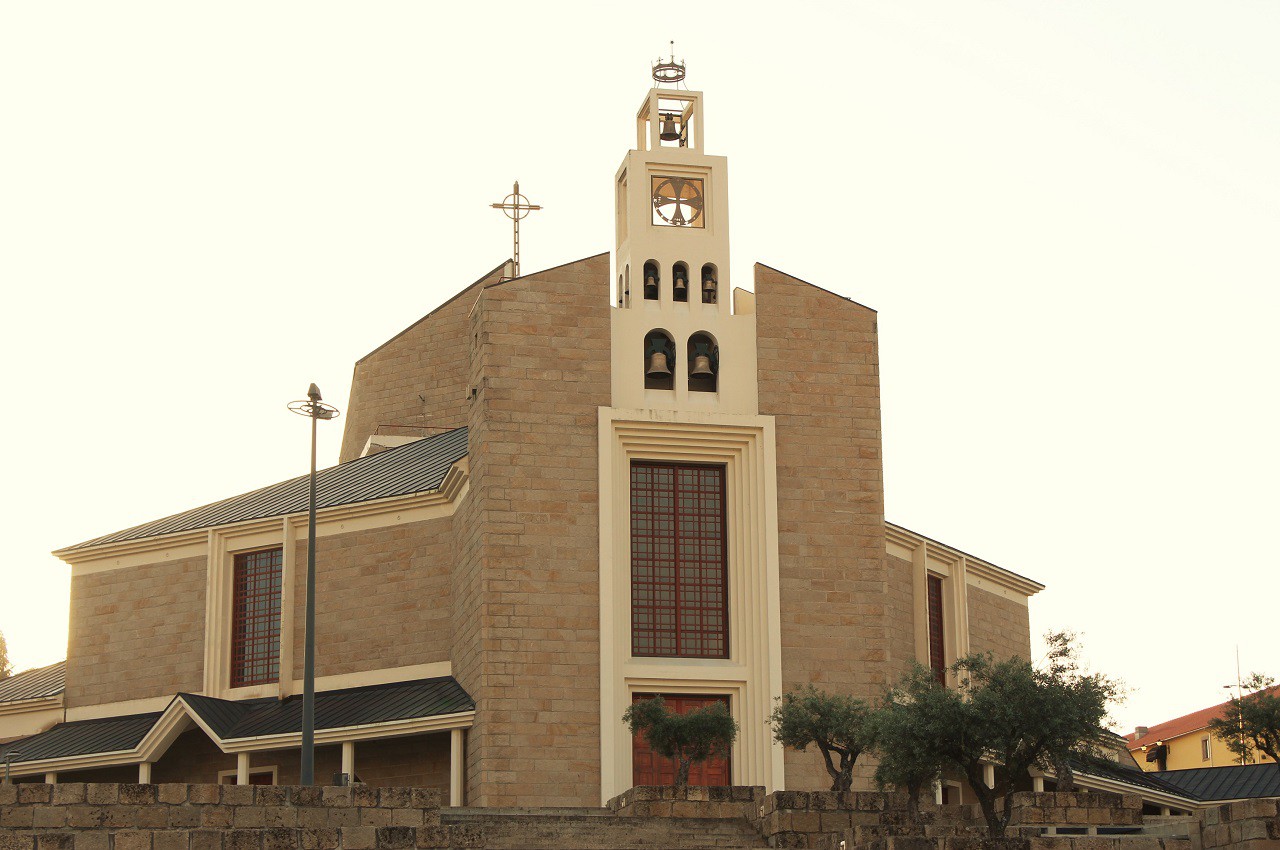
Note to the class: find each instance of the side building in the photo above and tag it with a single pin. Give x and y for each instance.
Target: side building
(558, 493)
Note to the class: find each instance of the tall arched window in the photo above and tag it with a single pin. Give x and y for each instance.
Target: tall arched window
(680, 282)
(710, 284)
(651, 281)
(703, 357)
(659, 361)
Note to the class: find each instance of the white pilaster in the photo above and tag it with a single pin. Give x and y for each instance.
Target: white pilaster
(456, 744)
(349, 760)
(242, 768)
(144, 773)
(51, 778)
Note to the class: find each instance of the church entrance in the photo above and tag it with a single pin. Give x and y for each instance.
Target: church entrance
(649, 768)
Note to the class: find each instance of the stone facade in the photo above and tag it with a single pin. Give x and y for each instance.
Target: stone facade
(528, 603)
(136, 632)
(998, 625)
(415, 383)
(402, 573)
(819, 376)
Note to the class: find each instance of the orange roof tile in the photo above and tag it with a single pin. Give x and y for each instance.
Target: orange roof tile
(1179, 726)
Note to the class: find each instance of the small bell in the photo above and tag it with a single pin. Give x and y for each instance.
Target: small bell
(708, 289)
(681, 285)
(658, 364)
(669, 132)
(701, 366)
(650, 287)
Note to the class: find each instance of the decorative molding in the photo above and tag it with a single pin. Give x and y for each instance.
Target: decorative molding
(902, 542)
(745, 445)
(26, 706)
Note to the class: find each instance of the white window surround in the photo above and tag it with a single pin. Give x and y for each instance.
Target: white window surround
(224, 775)
(752, 674)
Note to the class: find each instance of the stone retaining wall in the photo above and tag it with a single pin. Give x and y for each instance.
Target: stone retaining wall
(1247, 825)
(691, 801)
(108, 816)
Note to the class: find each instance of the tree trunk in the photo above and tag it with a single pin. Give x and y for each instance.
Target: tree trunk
(1064, 778)
(841, 777)
(987, 802)
(913, 801)
(683, 764)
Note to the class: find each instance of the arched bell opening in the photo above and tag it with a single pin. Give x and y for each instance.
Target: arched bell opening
(651, 281)
(620, 298)
(659, 361)
(710, 284)
(704, 363)
(680, 282)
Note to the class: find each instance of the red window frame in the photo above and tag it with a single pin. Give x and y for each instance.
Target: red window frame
(255, 617)
(679, 565)
(937, 646)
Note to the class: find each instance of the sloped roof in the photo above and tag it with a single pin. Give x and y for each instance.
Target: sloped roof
(334, 709)
(1182, 725)
(417, 467)
(34, 684)
(1232, 782)
(81, 737)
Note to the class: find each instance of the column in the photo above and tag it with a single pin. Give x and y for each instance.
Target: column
(989, 775)
(456, 742)
(1037, 783)
(51, 778)
(937, 792)
(242, 768)
(349, 760)
(144, 773)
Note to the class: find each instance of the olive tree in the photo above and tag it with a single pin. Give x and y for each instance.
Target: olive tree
(1251, 723)
(909, 760)
(836, 724)
(1009, 713)
(687, 738)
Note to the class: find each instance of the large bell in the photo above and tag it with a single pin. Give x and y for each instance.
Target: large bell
(658, 364)
(669, 131)
(650, 286)
(681, 286)
(701, 366)
(708, 290)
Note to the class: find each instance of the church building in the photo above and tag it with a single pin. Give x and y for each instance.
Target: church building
(685, 500)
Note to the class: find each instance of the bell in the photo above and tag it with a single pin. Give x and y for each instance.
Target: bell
(708, 291)
(650, 286)
(669, 132)
(701, 366)
(681, 287)
(658, 364)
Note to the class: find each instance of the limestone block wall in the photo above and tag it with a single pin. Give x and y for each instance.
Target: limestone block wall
(383, 598)
(998, 625)
(819, 376)
(97, 816)
(900, 614)
(416, 378)
(136, 632)
(528, 579)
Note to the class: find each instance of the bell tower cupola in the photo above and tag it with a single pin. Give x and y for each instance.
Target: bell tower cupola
(675, 332)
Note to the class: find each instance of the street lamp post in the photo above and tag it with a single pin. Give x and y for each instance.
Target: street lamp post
(316, 410)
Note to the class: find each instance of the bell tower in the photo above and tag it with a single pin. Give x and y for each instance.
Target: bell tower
(678, 341)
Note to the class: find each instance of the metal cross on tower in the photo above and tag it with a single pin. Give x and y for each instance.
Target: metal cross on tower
(516, 207)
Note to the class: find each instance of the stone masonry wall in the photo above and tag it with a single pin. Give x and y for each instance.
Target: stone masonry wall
(1246, 825)
(819, 377)
(79, 816)
(998, 625)
(427, 359)
(382, 598)
(530, 582)
(136, 632)
(901, 614)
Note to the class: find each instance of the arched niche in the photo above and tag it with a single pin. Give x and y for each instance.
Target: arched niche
(659, 361)
(702, 357)
(710, 284)
(652, 280)
(680, 282)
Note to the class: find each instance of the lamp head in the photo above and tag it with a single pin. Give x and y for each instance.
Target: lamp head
(313, 393)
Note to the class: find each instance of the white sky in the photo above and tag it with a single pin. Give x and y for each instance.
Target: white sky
(1066, 214)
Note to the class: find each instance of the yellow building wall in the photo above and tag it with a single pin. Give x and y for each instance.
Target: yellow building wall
(1186, 753)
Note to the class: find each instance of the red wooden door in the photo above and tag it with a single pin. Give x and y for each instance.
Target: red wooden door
(648, 768)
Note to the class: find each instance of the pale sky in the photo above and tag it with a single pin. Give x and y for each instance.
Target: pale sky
(1066, 215)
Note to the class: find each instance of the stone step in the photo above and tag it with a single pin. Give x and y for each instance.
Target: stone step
(548, 829)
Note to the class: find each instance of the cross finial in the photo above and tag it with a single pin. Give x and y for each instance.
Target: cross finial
(515, 206)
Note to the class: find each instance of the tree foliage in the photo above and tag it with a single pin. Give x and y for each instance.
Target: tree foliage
(1009, 713)
(1251, 723)
(6, 669)
(688, 738)
(837, 724)
(904, 740)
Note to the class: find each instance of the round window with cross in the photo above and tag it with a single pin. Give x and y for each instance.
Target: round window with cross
(678, 201)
